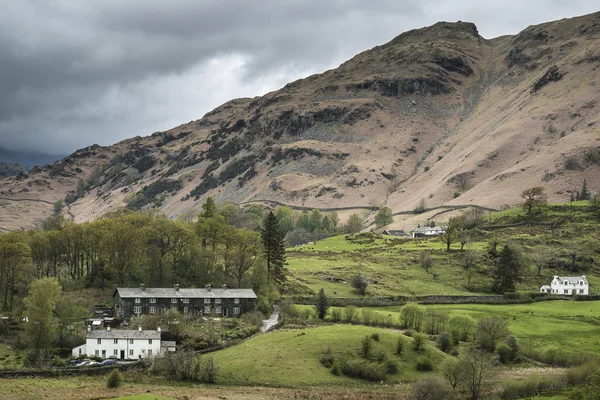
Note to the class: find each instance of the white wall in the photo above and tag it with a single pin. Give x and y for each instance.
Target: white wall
(133, 351)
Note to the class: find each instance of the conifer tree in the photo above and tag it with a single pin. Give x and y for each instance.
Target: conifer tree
(322, 304)
(585, 193)
(507, 270)
(274, 248)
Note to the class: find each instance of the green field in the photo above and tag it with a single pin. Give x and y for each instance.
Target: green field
(291, 358)
(393, 266)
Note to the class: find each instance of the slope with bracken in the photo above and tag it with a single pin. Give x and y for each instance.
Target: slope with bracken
(438, 114)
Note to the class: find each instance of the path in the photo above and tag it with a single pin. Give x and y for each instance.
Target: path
(270, 323)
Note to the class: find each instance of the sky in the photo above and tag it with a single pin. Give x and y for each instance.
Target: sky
(74, 73)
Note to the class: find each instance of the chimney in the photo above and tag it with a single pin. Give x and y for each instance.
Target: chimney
(208, 287)
(89, 328)
(143, 287)
(176, 287)
(224, 287)
(158, 329)
(108, 328)
(139, 328)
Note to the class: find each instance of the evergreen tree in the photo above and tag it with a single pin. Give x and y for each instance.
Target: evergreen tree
(508, 268)
(274, 248)
(209, 208)
(585, 193)
(322, 304)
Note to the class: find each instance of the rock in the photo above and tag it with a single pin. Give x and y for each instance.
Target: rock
(552, 75)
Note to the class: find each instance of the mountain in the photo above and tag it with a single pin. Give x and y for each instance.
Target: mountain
(438, 116)
(10, 169)
(28, 159)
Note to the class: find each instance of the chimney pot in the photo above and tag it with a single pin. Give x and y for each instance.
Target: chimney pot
(176, 287)
(143, 287)
(224, 287)
(158, 329)
(139, 328)
(108, 328)
(208, 287)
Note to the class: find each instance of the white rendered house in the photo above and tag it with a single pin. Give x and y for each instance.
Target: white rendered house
(568, 285)
(120, 344)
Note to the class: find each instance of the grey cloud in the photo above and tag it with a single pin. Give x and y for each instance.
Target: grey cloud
(80, 72)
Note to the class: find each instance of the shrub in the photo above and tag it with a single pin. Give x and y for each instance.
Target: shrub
(209, 370)
(512, 342)
(461, 326)
(336, 315)
(350, 313)
(364, 369)
(450, 370)
(359, 283)
(115, 379)
(375, 337)
(335, 368)
(367, 315)
(399, 346)
(411, 316)
(581, 374)
(366, 346)
(592, 155)
(327, 359)
(572, 163)
(390, 366)
(424, 364)
(445, 342)
(527, 387)
(429, 388)
(504, 353)
(419, 341)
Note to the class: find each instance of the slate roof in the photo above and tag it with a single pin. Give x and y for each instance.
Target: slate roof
(166, 343)
(429, 228)
(573, 280)
(183, 293)
(396, 232)
(123, 334)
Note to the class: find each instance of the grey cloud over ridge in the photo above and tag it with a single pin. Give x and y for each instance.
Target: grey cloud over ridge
(73, 72)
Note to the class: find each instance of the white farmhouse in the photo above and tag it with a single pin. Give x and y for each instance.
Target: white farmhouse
(568, 285)
(426, 231)
(122, 344)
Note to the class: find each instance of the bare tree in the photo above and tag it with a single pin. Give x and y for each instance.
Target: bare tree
(490, 330)
(475, 368)
(451, 231)
(470, 260)
(429, 388)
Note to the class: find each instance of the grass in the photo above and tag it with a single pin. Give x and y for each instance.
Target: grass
(143, 397)
(393, 265)
(291, 358)
(10, 358)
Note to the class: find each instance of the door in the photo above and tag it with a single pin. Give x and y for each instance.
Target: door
(103, 353)
(225, 311)
(122, 354)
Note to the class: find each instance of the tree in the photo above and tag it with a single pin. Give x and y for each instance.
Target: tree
(426, 260)
(449, 370)
(359, 283)
(429, 388)
(58, 206)
(384, 216)
(273, 248)
(68, 313)
(451, 231)
(322, 304)
(40, 331)
(475, 368)
(470, 260)
(246, 249)
(209, 208)
(490, 330)
(15, 267)
(285, 218)
(314, 220)
(354, 224)
(585, 193)
(534, 197)
(508, 269)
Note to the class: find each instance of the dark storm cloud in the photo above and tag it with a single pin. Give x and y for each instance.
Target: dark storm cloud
(77, 72)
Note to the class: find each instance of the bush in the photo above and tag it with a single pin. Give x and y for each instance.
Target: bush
(359, 283)
(350, 314)
(327, 359)
(581, 374)
(375, 337)
(419, 341)
(357, 368)
(445, 342)
(399, 346)
(336, 315)
(366, 346)
(572, 163)
(530, 386)
(424, 364)
(209, 370)
(504, 353)
(115, 379)
(335, 368)
(429, 388)
(390, 366)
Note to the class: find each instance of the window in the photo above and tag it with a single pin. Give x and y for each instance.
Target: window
(97, 353)
(218, 310)
(581, 291)
(206, 301)
(152, 309)
(130, 352)
(99, 341)
(566, 291)
(152, 300)
(116, 341)
(217, 301)
(174, 300)
(149, 341)
(236, 310)
(206, 310)
(149, 352)
(137, 309)
(138, 300)
(130, 341)
(236, 301)
(581, 282)
(115, 352)
(186, 301)
(186, 310)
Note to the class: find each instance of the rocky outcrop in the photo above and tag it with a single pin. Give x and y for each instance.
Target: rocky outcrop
(552, 75)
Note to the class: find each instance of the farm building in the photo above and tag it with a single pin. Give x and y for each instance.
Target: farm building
(567, 285)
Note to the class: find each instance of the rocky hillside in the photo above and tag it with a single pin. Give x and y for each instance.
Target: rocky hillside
(438, 114)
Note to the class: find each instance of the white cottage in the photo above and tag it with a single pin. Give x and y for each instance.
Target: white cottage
(121, 344)
(568, 285)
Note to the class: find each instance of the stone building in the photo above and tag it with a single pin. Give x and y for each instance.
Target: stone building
(222, 302)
